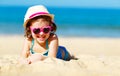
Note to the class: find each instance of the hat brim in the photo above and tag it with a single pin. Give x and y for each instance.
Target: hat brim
(50, 15)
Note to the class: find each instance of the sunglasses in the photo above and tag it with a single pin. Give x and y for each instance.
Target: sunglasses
(45, 30)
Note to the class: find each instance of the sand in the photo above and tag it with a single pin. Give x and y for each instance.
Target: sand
(96, 57)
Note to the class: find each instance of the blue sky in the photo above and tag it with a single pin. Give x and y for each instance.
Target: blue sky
(66, 3)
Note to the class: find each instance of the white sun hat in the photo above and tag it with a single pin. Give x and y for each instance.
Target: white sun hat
(35, 11)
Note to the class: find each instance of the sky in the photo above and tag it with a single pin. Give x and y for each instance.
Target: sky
(64, 3)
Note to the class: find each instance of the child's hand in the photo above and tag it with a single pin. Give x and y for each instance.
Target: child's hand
(24, 61)
(35, 57)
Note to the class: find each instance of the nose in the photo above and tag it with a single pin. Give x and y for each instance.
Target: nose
(41, 33)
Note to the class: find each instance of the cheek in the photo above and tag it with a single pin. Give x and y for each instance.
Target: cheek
(33, 35)
(47, 35)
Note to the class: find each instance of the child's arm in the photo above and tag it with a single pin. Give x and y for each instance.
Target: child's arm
(53, 46)
(25, 52)
(26, 48)
(36, 57)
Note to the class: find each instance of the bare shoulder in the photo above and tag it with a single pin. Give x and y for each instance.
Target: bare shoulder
(27, 42)
(53, 37)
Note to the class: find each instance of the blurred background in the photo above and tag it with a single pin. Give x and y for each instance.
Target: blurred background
(81, 18)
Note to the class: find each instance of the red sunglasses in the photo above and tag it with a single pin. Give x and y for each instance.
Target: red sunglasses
(45, 30)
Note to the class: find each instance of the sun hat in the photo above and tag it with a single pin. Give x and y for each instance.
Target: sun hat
(35, 11)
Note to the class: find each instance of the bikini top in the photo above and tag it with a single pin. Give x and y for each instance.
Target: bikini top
(59, 55)
(44, 53)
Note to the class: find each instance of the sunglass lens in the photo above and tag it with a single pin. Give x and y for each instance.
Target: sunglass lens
(46, 30)
(36, 30)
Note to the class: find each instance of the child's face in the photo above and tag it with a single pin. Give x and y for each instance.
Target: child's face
(40, 30)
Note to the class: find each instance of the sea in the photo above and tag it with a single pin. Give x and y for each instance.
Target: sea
(79, 22)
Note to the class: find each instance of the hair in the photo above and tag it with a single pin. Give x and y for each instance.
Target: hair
(28, 23)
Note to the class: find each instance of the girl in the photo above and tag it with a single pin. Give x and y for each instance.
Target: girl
(40, 38)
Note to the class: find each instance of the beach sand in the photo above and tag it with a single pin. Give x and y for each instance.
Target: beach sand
(96, 57)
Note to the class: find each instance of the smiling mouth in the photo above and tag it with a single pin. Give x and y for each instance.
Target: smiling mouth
(41, 38)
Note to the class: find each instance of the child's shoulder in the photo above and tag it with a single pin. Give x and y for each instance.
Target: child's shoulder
(28, 41)
(53, 37)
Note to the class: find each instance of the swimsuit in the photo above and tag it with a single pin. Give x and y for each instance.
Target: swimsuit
(59, 53)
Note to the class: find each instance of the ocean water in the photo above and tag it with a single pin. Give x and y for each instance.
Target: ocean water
(84, 22)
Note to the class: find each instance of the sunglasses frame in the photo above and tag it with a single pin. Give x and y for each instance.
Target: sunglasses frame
(41, 30)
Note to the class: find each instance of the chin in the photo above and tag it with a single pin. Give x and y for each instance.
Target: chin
(41, 40)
